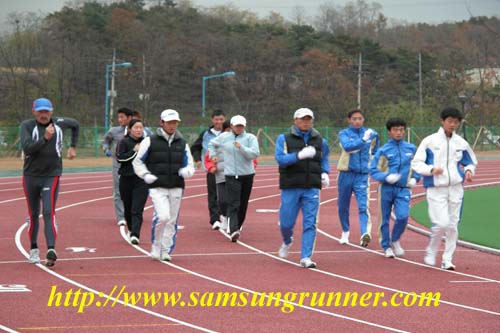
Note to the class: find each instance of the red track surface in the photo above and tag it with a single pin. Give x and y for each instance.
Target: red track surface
(205, 260)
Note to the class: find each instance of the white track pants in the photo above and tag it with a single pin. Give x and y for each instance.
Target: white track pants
(445, 205)
(166, 202)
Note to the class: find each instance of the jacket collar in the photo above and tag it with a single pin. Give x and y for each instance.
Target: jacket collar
(161, 133)
(295, 131)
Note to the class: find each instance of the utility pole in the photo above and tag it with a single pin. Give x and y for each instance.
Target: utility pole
(112, 92)
(145, 95)
(420, 80)
(360, 66)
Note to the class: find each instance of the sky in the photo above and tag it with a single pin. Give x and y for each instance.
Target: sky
(428, 11)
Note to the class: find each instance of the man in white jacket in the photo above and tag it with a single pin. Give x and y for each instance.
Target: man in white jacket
(164, 160)
(445, 160)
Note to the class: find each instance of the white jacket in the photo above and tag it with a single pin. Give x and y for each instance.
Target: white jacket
(453, 155)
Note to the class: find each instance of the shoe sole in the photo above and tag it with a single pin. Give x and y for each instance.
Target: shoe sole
(235, 237)
(51, 259)
(310, 266)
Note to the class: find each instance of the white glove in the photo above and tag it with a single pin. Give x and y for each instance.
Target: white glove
(186, 172)
(412, 182)
(150, 179)
(306, 152)
(367, 136)
(393, 178)
(325, 180)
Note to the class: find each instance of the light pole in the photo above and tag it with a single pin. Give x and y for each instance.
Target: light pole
(463, 99)
(203, 88)
(111, 93)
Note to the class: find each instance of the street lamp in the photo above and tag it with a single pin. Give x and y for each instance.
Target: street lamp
(203, 88)
(463, 99)
(111, 93)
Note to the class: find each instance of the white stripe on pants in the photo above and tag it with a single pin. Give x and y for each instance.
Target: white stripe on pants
(445, 205)
(166, 202)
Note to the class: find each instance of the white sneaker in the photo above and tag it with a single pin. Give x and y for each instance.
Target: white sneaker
(430, 260)
(216, 225)
(344, 239)
(122, 222)
(398, 250)
(365, 240)
(389, 253)
(155, 252)
(34, 256)
(166, 257)
(448, 265)
(134, 240)
(223, 223)
(307, 263)
(283, 251)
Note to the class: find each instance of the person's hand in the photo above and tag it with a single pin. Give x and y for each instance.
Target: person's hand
(325, 180)
(306, 152)
(214, 160)
(71, 153)
(437, 171)
(368, 136)
(237, 144)
(186, 172)
(49, 132)
(136, 147)
(150, 179)
(468, 175)
(393, 178)
(412, 182)
(108, 152)
(197, 164)
(213, 170)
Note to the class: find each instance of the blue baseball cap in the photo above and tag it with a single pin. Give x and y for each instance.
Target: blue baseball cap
(42, 104)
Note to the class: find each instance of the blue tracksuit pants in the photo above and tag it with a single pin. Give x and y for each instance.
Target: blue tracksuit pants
(348, 183)
(292, 200)
(398, 197)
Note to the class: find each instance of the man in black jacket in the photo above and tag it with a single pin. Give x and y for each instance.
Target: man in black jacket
(42, 144)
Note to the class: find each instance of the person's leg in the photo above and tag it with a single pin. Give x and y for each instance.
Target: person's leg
(161, 204)
(117, 201)
(139, 198)
(50, 192)
(32, 189)
(233, 195)
(361, 189)
(385, 206)
(455, 203)
(213, 208)
(310, 206)
(345, 186)
(126, 194)
(437, 201)
(401, 211)
(246, 190)
(221, 198)
(289, 209)
(169, 236)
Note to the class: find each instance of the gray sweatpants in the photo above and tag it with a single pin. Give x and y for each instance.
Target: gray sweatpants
(117, 200)
(45, 189)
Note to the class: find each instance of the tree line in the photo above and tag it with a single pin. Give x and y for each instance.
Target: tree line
(280, 65)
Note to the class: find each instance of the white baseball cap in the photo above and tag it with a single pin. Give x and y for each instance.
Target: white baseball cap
(303, 112)
(238, 120)
(169, 115)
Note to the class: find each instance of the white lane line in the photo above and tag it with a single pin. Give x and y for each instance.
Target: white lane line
(79, 285)
(470, 281)
(227, 284)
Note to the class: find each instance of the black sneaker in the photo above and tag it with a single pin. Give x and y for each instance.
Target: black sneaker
(51, 258)
(234, 236)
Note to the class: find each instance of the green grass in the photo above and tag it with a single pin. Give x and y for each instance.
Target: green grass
(480, 223)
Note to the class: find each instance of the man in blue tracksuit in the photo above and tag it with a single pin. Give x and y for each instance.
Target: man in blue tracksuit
(302, 156)
(391, 166)
(358, 145)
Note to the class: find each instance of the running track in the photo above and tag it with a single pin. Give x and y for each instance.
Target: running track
(205, 260)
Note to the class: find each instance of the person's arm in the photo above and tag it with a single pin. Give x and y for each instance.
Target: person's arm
(209, 164)
(281, 155)
(197, 147)
(139, 162)
(325, 162)
(348, 145)
(250, 151)
(419, 162)
(379, 167)
(214, 144)
(28, 143)
(72, 124)
(469, 161)
(124, 152)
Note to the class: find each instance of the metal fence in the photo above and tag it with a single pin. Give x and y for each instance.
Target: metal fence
(90, 140)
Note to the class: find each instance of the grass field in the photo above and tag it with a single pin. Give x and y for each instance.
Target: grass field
(480, 222)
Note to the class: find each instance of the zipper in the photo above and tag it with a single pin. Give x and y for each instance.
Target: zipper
(234, 157)
(448, 159)
(399, 153)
